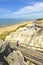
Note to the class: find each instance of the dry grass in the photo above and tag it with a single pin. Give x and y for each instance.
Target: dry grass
(7, 30)
(3, 35)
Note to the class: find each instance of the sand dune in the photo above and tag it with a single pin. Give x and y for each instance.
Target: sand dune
(12, 27)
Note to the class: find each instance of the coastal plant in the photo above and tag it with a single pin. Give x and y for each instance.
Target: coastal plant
(3, 35)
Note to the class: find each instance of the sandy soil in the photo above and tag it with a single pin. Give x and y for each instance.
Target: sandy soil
(12, 27)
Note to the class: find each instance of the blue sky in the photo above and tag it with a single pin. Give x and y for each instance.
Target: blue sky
(29, 9)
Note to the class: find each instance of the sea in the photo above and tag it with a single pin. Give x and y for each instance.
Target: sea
(5, 22)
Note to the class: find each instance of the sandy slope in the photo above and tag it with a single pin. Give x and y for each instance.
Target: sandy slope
(12, 27)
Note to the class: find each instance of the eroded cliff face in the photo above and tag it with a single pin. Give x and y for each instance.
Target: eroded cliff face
(9, 56)
(16, 58)
(4, 52)
(30, 34)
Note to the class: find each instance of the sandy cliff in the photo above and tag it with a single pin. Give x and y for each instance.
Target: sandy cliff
(31, 34)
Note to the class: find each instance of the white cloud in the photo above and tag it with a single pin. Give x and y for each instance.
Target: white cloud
(33, 8)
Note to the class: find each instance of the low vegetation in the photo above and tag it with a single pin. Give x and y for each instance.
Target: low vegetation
(3, 35)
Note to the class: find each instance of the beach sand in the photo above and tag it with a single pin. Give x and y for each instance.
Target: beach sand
(6, 30)
(12, 27)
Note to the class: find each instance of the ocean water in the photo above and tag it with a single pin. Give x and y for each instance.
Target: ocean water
(5, 22)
